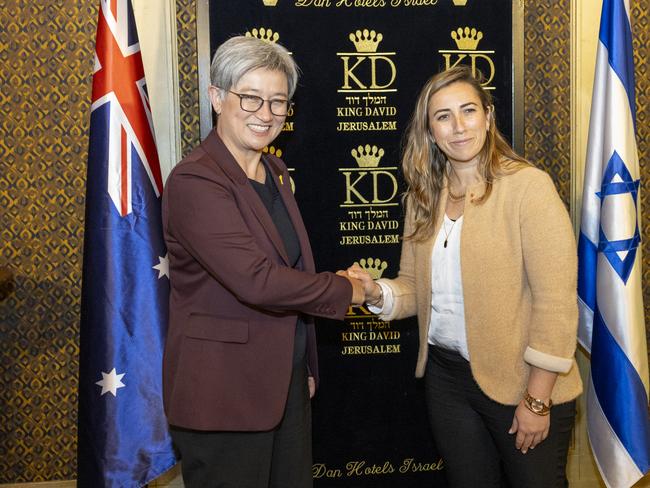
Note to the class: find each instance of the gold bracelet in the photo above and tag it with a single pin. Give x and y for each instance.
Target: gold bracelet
(537, 406)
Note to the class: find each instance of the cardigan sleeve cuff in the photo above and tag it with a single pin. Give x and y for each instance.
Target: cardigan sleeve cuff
(547, 361)
(387, 306)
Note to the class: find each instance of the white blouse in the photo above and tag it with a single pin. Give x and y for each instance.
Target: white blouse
(447, 325)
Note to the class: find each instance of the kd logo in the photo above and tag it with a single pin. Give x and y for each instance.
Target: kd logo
(467, 40)
(371, 70)
(369, 184)
(364, 188)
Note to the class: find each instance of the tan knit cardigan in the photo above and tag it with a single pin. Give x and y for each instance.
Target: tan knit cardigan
(519, 273)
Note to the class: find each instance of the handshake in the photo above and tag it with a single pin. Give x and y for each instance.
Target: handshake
(364, 288)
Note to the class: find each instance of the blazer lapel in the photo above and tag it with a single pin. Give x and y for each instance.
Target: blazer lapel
(284, 186)
(218, 150)
(262, 214)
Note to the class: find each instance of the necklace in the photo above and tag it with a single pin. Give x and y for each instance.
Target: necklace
(448, 233)
(455, 198)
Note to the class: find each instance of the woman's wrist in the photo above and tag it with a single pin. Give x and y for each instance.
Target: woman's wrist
(537, 405)
(537, 396)
(378, 298)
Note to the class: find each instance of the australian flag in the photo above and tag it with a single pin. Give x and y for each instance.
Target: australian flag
(123, 437)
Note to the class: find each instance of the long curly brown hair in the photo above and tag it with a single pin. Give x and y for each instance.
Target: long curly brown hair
(425, 165)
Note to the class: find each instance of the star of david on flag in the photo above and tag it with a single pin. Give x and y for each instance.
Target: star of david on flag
(123, 439)
(620, 253)
(612, 321)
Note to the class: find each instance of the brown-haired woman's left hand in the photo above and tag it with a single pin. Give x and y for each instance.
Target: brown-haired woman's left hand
(531, 429)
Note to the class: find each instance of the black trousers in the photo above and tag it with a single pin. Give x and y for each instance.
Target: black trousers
(470, 431)
(280, 458)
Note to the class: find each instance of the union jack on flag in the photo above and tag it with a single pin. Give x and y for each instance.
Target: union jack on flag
(118, 80)
(123, 438)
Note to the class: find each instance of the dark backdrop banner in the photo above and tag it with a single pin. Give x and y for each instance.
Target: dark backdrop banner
(363, 63)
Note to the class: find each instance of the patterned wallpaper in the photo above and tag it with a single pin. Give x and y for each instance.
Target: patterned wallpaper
(46, 53)
(46, 57)
(188, 74)
(547, 92)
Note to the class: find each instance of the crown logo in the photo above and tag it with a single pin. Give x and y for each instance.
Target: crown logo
(266, 35)
(273, 151)
(367, 156)
(466, 39)
(273, 3)
(374, 266)
(460, 3)
(366, 41)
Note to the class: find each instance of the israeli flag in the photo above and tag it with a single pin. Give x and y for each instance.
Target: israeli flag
(612, 326)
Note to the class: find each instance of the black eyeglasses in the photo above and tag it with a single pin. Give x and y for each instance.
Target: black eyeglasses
(252, 103)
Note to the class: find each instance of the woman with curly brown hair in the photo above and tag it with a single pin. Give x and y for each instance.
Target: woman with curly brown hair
(489, 267)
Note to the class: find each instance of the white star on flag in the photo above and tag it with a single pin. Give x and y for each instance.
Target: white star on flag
(110, 382)
(162, 266)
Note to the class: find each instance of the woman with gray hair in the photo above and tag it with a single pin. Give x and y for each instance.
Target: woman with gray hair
(240, 360)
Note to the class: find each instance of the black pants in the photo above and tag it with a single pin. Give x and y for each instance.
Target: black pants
(471, 432)
(280, 458)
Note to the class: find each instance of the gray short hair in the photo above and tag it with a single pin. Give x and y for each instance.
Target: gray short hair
(241, 54)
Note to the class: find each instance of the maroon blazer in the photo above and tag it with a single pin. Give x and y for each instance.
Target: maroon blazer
(234, 298)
